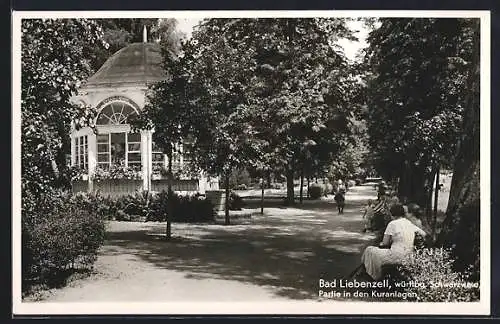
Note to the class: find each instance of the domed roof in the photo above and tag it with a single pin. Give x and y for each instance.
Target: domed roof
(137, 63)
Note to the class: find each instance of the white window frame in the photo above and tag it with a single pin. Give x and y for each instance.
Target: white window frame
(81, 152)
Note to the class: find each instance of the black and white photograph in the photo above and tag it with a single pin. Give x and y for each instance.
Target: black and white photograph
(272, 162)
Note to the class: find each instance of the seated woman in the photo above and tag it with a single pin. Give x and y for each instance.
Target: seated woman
(395, 246)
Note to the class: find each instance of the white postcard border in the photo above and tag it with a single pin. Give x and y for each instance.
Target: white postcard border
(293, 307)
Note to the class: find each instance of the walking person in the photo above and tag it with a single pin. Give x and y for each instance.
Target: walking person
(340, 200)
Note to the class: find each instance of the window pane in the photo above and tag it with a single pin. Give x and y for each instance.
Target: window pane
(134, 157)
(117, 138)
(134, 147)
(134, 137)
(103, 138)
(102, 157)
(118, 148)
(102, 148)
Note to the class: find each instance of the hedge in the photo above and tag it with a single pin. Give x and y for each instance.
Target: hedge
(145, 206)
(59, 233)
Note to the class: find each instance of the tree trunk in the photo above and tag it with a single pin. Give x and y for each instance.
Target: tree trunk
(290, 198)
(268, 179)
(435, 211)
(460, 229)
(226, 207)
(429, 184)
(262, 195)
(301, 185)
(308, 181)
(170, 195)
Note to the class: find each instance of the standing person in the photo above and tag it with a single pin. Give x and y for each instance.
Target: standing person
(368, 215)
(340, 200)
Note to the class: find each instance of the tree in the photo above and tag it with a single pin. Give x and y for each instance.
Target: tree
(307, 91)
(167, 105)
(275, 85)
(55, 60)
(296, 83)
(223, 138)
(461, 227)
(415, 98)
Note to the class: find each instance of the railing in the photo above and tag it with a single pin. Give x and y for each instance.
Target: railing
(120, 187)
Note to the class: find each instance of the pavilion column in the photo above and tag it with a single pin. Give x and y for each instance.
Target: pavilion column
(146, 161)
(73, 150)
(92, 158)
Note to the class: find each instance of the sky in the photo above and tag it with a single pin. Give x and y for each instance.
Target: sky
(186, 25)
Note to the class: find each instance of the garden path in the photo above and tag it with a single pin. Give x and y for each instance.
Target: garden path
(276, 256)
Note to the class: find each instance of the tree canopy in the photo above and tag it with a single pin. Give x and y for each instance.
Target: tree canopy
(55, 60)
(415, 97)
(278, 92)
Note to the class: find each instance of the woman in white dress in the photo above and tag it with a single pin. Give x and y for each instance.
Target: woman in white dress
(398, 241)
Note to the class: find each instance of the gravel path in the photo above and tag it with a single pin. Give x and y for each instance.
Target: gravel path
(280, 255)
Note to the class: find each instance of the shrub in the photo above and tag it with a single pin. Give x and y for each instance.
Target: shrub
(315, 191)
(235, 202)
(158, 207)
(105, 207)
(59, 232)
(433, 268)
(192, 209)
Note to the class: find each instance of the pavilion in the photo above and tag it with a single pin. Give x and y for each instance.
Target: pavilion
(114, 159)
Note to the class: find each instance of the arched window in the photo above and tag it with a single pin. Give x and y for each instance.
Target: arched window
(115, 113)
(116, 146)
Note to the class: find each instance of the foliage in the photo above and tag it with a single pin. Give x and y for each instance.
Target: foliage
(192, 209)
(434, 269)
(235, 201)
(166, 110)
(117, 172)
(134, 207)
(147, 206)
(58, 233)
(352, 157)
(461, 227)
(277, 93)
(54, 63)
(315, 191)
(76, 173)
(415, 97)
(240, 178)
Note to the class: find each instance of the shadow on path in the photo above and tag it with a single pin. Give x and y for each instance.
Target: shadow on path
(286, 249)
